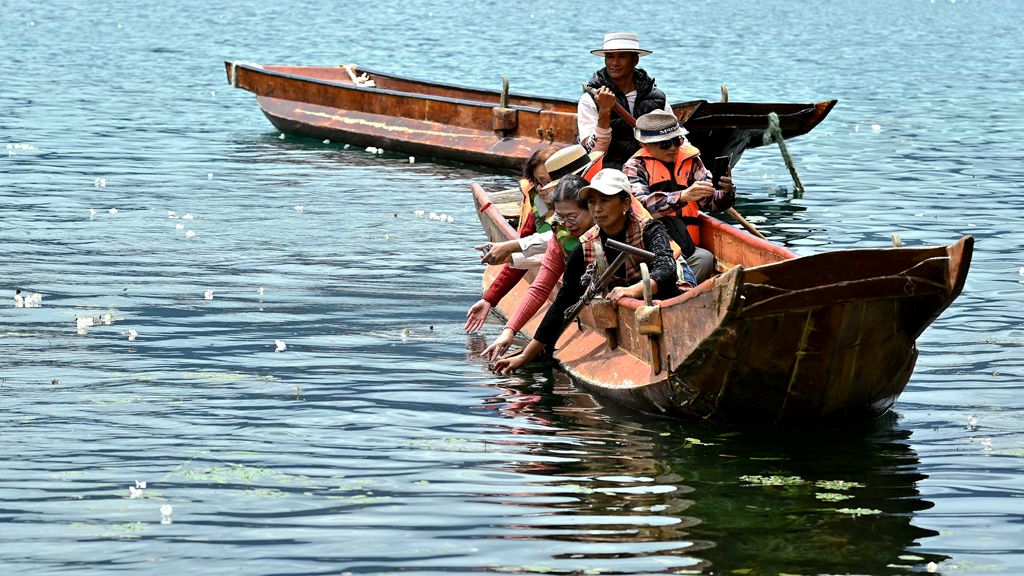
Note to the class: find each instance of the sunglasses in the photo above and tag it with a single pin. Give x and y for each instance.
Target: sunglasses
(670, 144)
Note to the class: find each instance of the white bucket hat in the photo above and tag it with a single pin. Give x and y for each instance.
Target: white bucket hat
(569, 160)
(657, 126)
(621, 42)
(609, 182)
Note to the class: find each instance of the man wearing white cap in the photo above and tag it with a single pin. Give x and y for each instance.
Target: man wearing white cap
(619, 81)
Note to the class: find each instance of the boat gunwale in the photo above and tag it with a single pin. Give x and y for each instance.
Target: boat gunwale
(375, 90)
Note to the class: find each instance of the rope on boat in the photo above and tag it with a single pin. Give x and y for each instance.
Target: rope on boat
(774, 134)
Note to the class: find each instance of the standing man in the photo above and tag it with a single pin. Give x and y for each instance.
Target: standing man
(600, 129)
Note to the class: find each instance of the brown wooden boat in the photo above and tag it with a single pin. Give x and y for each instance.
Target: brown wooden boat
(495, 128)
(772, 339)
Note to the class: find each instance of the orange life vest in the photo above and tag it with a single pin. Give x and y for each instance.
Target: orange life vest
(680, 178)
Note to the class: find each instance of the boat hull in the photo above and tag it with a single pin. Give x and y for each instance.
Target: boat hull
(471, 125)
(811, 342)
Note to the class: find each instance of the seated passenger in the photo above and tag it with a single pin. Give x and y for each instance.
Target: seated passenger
(669, 179)
(609, 200)
(572, 219)
(534, 228)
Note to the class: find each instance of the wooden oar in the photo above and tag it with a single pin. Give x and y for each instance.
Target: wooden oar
(625, 115)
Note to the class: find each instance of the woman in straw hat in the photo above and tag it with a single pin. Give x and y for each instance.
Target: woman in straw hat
(619, 81)
(610, 202)
(535, 229)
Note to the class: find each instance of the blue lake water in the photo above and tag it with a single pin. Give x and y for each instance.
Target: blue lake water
(376, 442)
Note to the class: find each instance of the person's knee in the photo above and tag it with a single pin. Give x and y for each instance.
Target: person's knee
(702, 262)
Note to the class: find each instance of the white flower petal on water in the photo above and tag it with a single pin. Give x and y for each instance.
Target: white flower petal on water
(299, 208)
(140, 484)
(327, 141)
(260, 290)
(112, 210)
(209, 175)
(208, 295)
(380, 150)
(412, 159)
(190, 234)
(971, 421)
(281, 137)
(134, 492)
(450, 219)
(107, 320)
(188, 217)
(166, 510)
(371, 149)
(421, 213)
(345, 147)
(19, 300)
(433, 216)
(83, 322)
(876, 128)
(280, 346)
(33, 300)
(932, 567)
(171, 214)
(92, 213)
(1021, 271)
(132, 334)
(179, 226)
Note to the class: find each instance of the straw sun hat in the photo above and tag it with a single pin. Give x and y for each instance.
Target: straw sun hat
(621, 42)
(569, 160)
(657, 126)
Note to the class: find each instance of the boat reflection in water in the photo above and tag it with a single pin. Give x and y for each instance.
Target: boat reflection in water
(613, 491)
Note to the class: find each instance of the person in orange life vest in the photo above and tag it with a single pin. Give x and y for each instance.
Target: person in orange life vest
(573, 220)
(598, 126)
(535, 230)
(669, 179)
(609, 199)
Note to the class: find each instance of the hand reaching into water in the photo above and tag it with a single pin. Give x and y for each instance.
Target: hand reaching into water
(500, 345)
(477, 314)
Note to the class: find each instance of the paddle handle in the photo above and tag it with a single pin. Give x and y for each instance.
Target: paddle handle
(618, 108)
(743, 222)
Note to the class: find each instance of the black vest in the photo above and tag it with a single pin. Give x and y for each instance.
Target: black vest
(648, 99)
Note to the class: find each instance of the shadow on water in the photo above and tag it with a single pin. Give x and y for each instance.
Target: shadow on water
(651, 495)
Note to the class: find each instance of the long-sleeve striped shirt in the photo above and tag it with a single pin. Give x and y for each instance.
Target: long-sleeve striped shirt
(664, 203)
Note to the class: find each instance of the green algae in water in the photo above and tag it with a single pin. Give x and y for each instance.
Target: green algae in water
(832, 496)
(773, 480)
(858, 511)
(837, 484)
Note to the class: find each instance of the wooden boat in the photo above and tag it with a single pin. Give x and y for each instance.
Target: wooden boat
(772, 339)
(490, 127)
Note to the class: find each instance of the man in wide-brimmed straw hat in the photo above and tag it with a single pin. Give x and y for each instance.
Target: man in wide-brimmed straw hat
(620, 80)
(669, 179)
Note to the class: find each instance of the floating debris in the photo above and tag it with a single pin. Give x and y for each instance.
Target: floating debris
(106, 320)
(100, 182)
(208, 295)
(972, 422)
(188, 217)
(421, 213)
(179, 226)
(897, 240)
(83, 322)
(281, 137)
(19, 300)
(132, 334)
(209, 175)
(280, 346)
(190, 234)
(876, 128)
(92, 213)
(327, 140)
(412, 159)
(300, 208)
(371, 149)
(171, 214)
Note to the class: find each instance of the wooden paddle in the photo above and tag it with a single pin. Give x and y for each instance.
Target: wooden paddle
(625, 115)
